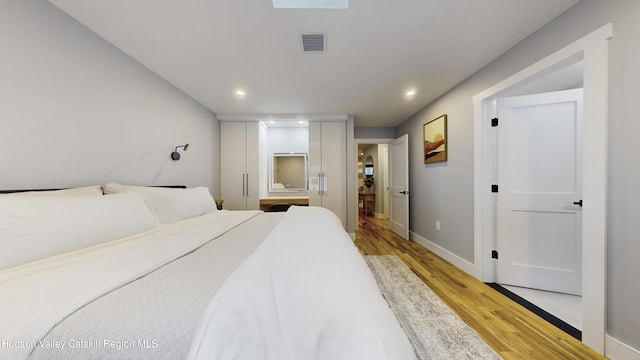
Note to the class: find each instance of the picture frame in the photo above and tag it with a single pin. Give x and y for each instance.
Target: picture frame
(434, 135)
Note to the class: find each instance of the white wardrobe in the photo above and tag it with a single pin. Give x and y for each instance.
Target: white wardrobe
(239, 165)
(327, 166)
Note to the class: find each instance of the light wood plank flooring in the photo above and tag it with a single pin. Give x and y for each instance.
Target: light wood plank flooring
(510, 329)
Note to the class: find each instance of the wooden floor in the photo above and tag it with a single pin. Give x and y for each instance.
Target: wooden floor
(510, 329)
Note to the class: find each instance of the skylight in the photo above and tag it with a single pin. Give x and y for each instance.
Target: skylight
(310, 4)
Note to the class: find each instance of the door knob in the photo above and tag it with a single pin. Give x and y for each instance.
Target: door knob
(579, 203)
(404, 192)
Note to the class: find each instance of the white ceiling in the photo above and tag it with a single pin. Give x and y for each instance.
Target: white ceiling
(376, 50)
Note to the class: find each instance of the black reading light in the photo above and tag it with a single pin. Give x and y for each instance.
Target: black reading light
(175, 155)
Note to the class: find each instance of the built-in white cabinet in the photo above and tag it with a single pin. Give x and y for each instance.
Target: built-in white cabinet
(327, 166)
(239, 165)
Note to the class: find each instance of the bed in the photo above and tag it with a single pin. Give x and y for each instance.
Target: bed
(131, 272)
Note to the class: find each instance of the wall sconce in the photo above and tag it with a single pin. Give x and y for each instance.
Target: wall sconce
(175, 155)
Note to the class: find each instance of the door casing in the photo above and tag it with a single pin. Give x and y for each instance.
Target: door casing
(594, 50)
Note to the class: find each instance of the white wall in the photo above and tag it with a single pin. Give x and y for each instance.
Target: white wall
(76, 110)
(374, 133)
(444, 191)
(288, 139)
(382, 192)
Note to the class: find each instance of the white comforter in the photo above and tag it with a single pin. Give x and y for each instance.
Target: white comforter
(36, 296)
(306, 293)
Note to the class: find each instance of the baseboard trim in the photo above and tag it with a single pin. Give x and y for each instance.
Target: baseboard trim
(617, 350)
(454, 259)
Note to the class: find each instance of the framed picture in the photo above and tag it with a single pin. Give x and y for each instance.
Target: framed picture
(435, 140)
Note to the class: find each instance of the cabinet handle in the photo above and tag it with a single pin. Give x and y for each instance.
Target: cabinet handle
(243, 185)
(247, 185)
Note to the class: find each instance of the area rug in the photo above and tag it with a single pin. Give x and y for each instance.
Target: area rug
(435, 331)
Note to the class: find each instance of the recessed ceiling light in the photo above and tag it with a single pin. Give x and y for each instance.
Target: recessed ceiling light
(311, 4)
(240, 93)
(410, 93)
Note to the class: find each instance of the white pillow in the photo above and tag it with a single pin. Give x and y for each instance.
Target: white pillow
(79, 191)
(170, 204)
(37, 227)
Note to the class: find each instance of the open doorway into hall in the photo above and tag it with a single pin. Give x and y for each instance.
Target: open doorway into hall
(373, 180)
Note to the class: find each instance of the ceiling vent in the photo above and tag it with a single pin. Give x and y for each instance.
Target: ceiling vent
(313, 42)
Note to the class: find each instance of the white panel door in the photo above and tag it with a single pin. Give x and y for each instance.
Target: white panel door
(539, 217)
(334, 157)
(399, 186)
(315, 163)
(233, 164)
(239, 165)
(252, 167)
(327, 166)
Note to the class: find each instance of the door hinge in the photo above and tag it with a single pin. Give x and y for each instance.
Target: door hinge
(494, 122)
(494, 254)
(494, 188)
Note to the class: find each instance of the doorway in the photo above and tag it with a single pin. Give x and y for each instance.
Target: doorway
(373, 179)
(593, 51)
(391, 185)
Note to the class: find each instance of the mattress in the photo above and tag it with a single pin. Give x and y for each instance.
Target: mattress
(154, 317)
(224, 285)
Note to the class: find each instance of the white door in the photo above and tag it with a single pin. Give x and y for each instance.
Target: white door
(334, 155)
(239, 165)
(399, 186)
(327, 164)
(252, 189)
(315, 163)
(539, 217)
(233, 164)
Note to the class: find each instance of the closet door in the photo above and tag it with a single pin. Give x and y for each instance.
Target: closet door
(334, 168)
(327, 166)
(252, 168)
(239, 165)
(233, 164)
(315, 163)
